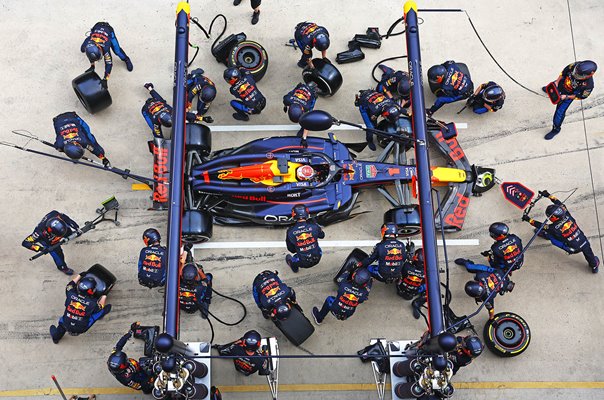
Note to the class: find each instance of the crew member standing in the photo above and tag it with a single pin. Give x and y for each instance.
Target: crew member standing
(157, 112)
(351, 293)
(73, 136)
(451, 84)
(54, 227)
(152, 262)
(373, 105)
(255, 6)
(575, 82)
(309, 35)
(200, 86)
(390, 255)
(563, 232)
(298, 101)
(249, 98)
(99, 43)
(82, 308)
(395, 85)
(303, 239)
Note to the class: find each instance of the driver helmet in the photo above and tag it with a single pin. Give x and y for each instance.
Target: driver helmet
(305, 172)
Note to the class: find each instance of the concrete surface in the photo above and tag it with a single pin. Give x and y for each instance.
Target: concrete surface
(556, 294)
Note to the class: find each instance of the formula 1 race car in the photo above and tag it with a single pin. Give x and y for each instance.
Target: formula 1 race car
(259, 182)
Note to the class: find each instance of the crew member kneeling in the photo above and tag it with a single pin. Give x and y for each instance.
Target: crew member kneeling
(351, 293)
(245, 348)
(274, 298)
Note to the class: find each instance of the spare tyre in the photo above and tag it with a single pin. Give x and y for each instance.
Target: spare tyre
(296, 328)
(507, 334)
(327, 77)
(198, 138)
(355, 257)
(196, 226)
(406, 218)
(251, 56)
(91, 94)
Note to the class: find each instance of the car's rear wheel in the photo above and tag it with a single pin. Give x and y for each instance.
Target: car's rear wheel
(196, 226)
(199, 138)
(406, 218)
(91, 94)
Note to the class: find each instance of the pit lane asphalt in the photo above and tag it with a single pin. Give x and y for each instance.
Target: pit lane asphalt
(556, 294)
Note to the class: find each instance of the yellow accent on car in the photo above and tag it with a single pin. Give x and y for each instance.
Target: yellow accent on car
(183, 6)
(443, 174)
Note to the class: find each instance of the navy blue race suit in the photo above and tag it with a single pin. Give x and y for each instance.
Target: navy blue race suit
(413, 280)
(133, 376)
(81, 312)
(304, 96)
(302, 239)
(459, 357)
(70, 128)
(40, 239)
(455, 86)
(373, 105)
(305, 34)
(344, 304)
(566, 234)
(152, 265)
(390, 255)
(250, 100)
(388, 84)
(153, 109)
(197, 295)
(244, 363)
(480, 106)
(102, 35)
(195, 85)
(503, 254)
(569, 86)
(270, 292)
(492, 281)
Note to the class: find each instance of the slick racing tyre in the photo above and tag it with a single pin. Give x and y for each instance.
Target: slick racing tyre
(251, 56)
(199, 138)
(91, 94)
(406, 218)
(103, 277)
(507, 335)
(355, 256)
(296, 328)
(325, 75)
(196, 226)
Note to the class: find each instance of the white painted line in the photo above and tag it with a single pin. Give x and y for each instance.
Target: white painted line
(272, 128)
(322, 243)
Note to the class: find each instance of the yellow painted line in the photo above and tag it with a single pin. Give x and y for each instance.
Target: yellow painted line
(327, 387)
(140, 186)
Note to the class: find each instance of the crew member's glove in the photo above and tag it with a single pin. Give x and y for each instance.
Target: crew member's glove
(135, 326)
(208, 119)
(429, 112)
(544, 193)
(148, 86)
(106, 163)
(104, 83)
(486, 253)
(304, 143)
(90, 69)
(356, 100)
(326, 60)
(526, 218)
(284, 109)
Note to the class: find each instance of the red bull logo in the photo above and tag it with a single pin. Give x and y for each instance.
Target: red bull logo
(303, 236)
(566, 226)
(272, 292)
(415, 279)
(77, 305)
(510, 249)
(351, 297)
(152, 257)
(243, 87)
(70, 135)
(394, 251)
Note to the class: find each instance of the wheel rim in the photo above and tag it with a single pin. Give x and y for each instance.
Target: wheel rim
(409, 230)
(509, 333)
(249, 58)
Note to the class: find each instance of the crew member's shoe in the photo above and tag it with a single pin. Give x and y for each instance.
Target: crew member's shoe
(129, 65)
(56, 333)
(106, 310)
(416, 313)
(289, 260)
(66, 270)
(302, 64)
(236, 2)
(241, 117)
(463, 261)
(551, 134)
(595, 268)
(255, 17)
(371, 146)
(315, 315)
(544, 89)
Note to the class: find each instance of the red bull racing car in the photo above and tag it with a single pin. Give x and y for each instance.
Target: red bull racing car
(259, 182)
